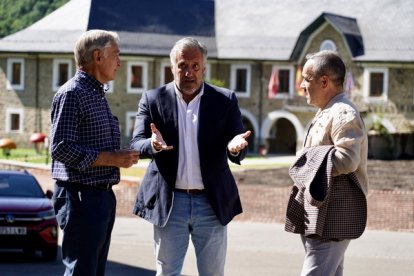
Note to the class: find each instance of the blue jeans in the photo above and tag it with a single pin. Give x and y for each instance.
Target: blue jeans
(193, 216)
(86, 215)
(323, 258)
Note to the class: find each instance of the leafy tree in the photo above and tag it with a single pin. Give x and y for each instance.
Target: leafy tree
(19, 14)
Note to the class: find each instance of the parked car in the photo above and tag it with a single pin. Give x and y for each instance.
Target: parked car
(27, 219)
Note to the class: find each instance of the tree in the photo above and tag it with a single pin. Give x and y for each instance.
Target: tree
(19, 14)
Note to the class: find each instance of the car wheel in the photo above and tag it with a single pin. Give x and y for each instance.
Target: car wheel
(49, 254)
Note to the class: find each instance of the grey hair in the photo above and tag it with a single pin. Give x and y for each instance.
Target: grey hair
(91, 41)
(188, 43)
(328, 63)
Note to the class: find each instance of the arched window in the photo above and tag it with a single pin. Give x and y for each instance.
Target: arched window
(328, 44)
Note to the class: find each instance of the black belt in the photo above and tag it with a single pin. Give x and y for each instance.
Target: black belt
(106, 187)
(190, 191)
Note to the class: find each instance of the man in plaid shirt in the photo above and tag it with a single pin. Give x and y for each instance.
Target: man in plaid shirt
(86, 155)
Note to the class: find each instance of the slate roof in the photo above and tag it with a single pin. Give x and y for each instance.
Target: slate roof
(266, 29)
(346, 26)
(232, 29)
(177, 17)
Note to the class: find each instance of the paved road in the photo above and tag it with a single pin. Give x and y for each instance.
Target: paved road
(258, 249)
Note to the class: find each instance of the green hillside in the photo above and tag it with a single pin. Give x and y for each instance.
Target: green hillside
(18, 14)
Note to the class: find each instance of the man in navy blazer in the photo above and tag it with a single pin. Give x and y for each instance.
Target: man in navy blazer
(189, 129)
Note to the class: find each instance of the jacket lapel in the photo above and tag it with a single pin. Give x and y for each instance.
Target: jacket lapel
(203, 115)
(168, 110)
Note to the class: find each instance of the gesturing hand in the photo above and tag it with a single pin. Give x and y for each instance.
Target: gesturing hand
(238, 142)
(157, 141)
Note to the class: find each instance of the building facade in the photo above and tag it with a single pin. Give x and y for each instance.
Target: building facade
(254, 46)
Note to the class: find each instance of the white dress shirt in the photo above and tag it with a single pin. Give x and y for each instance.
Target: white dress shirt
(189, 173)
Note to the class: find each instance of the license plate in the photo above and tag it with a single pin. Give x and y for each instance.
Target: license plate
(13, 230)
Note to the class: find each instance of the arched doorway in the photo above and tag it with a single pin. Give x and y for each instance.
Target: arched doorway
(282, 137)
(281, 126)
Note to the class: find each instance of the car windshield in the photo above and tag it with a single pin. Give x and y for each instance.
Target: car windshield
(19, 186)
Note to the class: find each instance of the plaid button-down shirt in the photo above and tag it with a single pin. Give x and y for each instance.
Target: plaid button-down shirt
(82, 126)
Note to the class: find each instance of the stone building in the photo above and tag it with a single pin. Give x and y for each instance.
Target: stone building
(249, 42)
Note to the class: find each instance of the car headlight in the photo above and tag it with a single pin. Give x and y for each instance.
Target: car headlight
(47, 214)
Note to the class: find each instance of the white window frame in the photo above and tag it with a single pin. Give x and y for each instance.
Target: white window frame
(9, 85)
(128, 115)
(56, 63)
(291, 91)
(9, 112)
(367, 75)
(233, 69)
(144, 65)
(162, 74)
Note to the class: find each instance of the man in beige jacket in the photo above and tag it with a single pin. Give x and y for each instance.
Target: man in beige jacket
(332, 202)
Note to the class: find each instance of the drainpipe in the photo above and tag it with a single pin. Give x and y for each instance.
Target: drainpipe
(38, 115)
(260, 118)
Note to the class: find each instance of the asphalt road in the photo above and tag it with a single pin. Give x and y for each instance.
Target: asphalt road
(261, 249)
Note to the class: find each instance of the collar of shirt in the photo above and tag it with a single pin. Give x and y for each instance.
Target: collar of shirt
(333, 100)
(91, 82)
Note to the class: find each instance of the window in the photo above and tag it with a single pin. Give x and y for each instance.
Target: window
(137, 77)
(166, 74)
(130, 123)
(376, 83)
(14, 120)
(15, 73)
(62, 72)
(328, 44)
(240, 80)
(285, 80)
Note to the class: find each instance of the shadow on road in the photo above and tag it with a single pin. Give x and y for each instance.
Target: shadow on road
(20, 264)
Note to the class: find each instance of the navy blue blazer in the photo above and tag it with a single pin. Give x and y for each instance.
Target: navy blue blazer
(219, 121)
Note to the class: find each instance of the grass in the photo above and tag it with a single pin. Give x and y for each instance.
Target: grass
(26, 155)
(133, 172)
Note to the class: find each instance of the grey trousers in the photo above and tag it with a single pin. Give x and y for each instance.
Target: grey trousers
(323, 258)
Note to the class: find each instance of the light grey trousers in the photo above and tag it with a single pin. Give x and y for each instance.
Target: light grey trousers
(323, 258)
